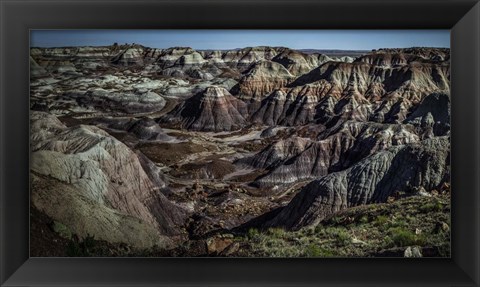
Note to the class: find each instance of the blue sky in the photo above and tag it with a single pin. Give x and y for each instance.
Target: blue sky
(230, 39)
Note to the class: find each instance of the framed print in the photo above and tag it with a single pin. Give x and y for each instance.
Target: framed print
(294, 144)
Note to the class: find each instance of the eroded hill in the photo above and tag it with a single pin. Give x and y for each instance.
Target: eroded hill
(177, 150)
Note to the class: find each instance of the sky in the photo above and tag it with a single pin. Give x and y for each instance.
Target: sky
(231, 39)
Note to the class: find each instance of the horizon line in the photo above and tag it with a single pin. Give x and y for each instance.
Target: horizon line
(238, 48)
(346, 40)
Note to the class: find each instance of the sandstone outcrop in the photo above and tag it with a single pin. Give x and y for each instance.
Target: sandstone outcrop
(134, 102)
(370, 180)
(101, 173)
(174, 147)
(261, 79)
(336, 149)
(214, 109)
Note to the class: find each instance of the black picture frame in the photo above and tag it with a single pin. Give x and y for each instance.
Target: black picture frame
(19, 16)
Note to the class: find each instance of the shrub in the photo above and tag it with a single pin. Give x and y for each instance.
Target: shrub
(252, 233)
(313, 250)
(319, 228)
(397, 223)
(339, 234)
(61, 230)
(435, 206)
(343, 237)
(363, 219)
(403, 237)
(76, 248)
(336, 220)
(381, 220)
(309, 231)
(276, 232)
(388, 241)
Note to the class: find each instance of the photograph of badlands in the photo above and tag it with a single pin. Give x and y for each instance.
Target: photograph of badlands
(257, 151)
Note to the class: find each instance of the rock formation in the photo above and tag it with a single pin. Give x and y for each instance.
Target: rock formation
(98, 173)
(136, 102)
(337, 148)
(214, 109)
(261, 79)
(174, 147)
(370, 180)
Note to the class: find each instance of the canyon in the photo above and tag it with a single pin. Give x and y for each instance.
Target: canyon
(183, 152)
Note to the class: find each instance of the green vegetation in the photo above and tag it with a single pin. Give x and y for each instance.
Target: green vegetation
(361, 232)
(61, 230)
(435, 206)
(381, 220)
(277, 233)
(253, 233)
(404, 237)
(371, 230)
(317, 251)
(81, 248)
(364, 219)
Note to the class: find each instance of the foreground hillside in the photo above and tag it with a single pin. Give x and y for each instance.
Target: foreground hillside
(260, 151)
(410, 227)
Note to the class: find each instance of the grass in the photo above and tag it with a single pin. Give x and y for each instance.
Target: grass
(61, 229)
(402, 237)
(277, 233)
(313, 250)
(361, 232)
(252, 233)
(381, 220)
(434, 206)
(364, 219)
